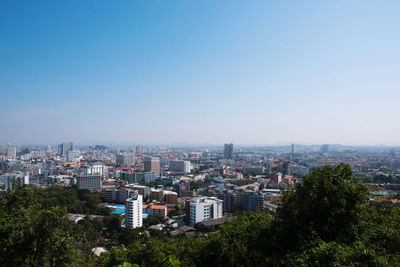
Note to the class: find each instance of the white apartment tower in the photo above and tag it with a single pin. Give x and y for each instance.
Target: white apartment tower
(204, 208)
(133, 211)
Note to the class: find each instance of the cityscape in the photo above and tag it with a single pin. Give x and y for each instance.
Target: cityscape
(199, 133)
(191, 189)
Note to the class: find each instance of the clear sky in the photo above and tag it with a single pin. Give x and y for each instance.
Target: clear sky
(247, 72)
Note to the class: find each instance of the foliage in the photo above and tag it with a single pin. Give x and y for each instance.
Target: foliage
(76, 201)
(153, 220)
(328, 205)
(194, 185)
(31, 235)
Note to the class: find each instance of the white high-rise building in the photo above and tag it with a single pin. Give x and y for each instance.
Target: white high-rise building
(134, 211)
(205, 208)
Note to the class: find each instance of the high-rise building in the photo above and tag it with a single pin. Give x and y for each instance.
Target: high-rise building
(3, 149)
(133, 211)
(126, 160)
(230, 198)
(325, 148)
(228, 151)
(204, 208)
(152, 164)
(64, 148)
(293, 149)
(12, 152)
(252, 201)
(129, 176)
(179, 166)
(138, 150)
(90, 182)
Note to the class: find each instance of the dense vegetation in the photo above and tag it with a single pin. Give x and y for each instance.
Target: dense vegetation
(328, 220)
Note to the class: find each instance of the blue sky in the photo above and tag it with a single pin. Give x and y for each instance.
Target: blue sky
(247, 72)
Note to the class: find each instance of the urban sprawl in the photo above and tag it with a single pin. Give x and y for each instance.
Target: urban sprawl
(194, 188)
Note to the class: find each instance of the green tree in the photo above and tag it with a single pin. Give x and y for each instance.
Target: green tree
(239, 243)
(329, 205)
(31, 235)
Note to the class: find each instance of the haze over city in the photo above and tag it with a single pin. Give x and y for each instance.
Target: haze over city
(200, 72)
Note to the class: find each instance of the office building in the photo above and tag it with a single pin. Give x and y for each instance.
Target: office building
(179, 166)
(90, 182)
(152, 164)
(125, 160)
(293, 149)
(134, 211)
(228, 151)
(138, 150)
(64, 148)
(205, 208)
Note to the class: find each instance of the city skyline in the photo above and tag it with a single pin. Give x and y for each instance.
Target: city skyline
(200, 72)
